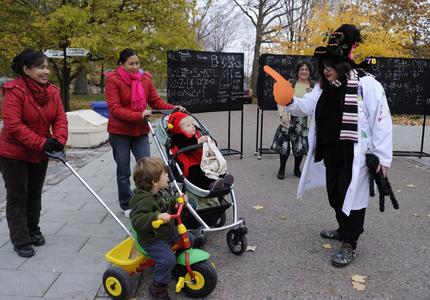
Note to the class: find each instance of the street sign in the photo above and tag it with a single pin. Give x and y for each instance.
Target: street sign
(54, 53)
(69, 52)
(76, 52)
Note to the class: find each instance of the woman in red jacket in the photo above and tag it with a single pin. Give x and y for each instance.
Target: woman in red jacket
(33, 122)
(128, 92)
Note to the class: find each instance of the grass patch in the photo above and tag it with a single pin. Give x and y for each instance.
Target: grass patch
(77, 102)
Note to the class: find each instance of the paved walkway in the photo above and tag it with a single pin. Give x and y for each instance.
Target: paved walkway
(289, 261)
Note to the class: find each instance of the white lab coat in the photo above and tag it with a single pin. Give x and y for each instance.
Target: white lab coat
(375, 135)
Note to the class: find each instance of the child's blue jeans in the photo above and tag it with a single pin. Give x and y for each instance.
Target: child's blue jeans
(165, 259)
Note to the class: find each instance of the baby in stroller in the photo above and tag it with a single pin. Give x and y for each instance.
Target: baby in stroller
(183, 133)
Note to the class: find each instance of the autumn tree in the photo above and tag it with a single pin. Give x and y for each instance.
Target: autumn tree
(104, 27)
(410, 17)
(269, 19)
(377, 40)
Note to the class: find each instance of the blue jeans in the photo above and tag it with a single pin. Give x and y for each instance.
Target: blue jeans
(165, 260)
(121, 146)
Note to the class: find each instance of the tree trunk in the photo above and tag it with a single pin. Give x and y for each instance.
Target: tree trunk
(258, 41)
(81, 84)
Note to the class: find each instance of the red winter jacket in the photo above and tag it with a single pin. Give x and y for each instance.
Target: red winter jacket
(123, 120)
(26, 125)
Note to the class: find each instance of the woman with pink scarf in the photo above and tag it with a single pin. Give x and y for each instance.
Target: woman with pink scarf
(128, 92)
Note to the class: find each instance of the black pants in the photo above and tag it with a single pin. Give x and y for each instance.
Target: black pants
(338, 178)
(24, 183)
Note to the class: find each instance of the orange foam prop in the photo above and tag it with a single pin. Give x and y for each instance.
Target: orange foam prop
(283, 91)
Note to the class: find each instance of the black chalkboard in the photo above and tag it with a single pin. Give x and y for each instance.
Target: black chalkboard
(406, 81)
(205, 81)
(284, 65)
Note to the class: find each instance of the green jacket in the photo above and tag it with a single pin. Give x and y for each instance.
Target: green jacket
(145, 208)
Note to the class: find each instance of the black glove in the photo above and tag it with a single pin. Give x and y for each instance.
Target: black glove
(52, 145)
(384, 187)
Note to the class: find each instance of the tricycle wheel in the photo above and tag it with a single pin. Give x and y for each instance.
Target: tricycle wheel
(236, 241)
(117, 283)
(221, 221)
(206, 279)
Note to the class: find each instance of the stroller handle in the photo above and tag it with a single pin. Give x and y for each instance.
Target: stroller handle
(161, 111)
(60, 155)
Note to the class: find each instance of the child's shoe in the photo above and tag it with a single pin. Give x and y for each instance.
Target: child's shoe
(158, 291)
(217, 185)
(228, 180)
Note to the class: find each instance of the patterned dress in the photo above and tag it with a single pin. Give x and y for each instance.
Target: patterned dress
(292, 130)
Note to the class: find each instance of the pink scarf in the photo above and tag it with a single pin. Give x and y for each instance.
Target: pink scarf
(138, 97)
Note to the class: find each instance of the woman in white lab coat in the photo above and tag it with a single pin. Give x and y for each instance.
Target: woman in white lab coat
(350, 117)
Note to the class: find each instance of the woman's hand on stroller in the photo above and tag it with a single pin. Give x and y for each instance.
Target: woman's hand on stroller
(179, 108)
(202, 139)
(146, 113)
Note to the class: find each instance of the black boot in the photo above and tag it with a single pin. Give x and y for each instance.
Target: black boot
(25, 250)
(297, 162)
(281, 173)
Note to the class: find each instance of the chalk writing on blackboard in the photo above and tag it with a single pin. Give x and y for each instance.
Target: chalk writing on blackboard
(205, 81)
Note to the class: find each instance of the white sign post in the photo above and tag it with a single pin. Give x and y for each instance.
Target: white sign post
(69, 52)
(60, 54)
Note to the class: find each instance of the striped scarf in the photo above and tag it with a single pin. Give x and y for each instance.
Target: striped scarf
(349, 127)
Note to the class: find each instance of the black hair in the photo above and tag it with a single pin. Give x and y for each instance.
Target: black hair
(342, 68)
(125, 54)
(29, 58)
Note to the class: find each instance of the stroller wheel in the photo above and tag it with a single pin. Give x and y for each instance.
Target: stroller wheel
(221, 221)
(236, 241)
(117, 283)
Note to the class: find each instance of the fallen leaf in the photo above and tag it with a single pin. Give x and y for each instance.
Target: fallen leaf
(358, 286)
(251, 248)
(326, 246)
(358, 278)
(257, 207)
(283, 217)
(428, 216)
(416, 215)
(411, 185)
(398, 191)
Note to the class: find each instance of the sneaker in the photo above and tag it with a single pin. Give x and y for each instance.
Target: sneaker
(38, 240)
(25, 250)
(228, 180)
(344, 256)
(330, 234)
(281, 174)
(127, 213)
(158, 292)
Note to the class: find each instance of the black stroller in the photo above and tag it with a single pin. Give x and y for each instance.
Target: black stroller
(200, 219)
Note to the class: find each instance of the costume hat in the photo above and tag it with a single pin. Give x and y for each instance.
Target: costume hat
(174, 121)
(341, 44)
